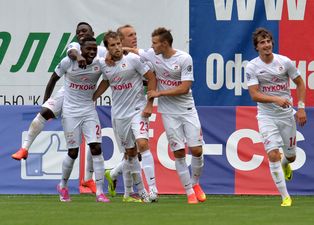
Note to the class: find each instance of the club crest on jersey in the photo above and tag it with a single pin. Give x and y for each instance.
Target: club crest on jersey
(176, 67)
(165, 73)
(116, 79)
(124, 65)
(96, 68)
(280, 68)
(189, 68)
(84, 78)
(275, 79)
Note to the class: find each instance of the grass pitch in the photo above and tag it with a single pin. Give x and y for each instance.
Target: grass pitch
(170, 210)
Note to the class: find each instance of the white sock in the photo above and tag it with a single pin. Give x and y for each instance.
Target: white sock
(67, 167)
(197, 164)
(117, 171)
(184, 175)
(149, 169)
(34, 129)
(89, 169)
(127, 178)
(279, 178)
(99, 168)
(136, 173)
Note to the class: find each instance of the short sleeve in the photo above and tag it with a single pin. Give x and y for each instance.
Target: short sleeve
(74, 45)
(292, 71)
(187, 68)
(63, 66)
(251, 78)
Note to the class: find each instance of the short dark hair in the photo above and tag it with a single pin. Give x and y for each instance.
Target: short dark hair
(84, 23)
(164, 35)
(261, 32)
(110, 34)
(87, 38)
(119, 30)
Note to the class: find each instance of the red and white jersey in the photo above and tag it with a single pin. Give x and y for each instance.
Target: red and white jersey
(101, 50)
(126, 82)
(273, 79)
(79, 86)
(170, 73)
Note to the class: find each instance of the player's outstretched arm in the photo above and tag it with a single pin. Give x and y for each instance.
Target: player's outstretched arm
(133, 50)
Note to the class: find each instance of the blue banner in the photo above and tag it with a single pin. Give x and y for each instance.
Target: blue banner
(221, 44)
(235, 160)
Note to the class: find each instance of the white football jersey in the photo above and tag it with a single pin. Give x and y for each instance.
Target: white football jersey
(101, 50)
(126, 82)
(79, 86)
(273, 79)
(170, 73)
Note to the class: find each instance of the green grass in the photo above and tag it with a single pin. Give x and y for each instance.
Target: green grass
(171, 209)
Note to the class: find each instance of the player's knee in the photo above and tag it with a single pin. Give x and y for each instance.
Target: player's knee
(132, 152)
(73, 153)
(95, 148)
(179, 153)
(196, 151)
(291, 159)
(274, 155)
(142, 145)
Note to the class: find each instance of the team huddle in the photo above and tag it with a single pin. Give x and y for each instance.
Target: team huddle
(167, 73)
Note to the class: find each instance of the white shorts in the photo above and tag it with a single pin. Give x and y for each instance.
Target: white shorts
(278, 132)
(181, 129)
(128, 130)
(74, 127)
(55, 102)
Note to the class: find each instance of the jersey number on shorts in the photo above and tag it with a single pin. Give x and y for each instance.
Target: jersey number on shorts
(98, 130)
(144, 126)
(292, 141)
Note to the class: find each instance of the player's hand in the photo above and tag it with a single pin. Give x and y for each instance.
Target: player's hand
(81, 61)
(300, 117)
(127, 49)
(152, 94)
(283, 102)
(109, 61)
(147, 112)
